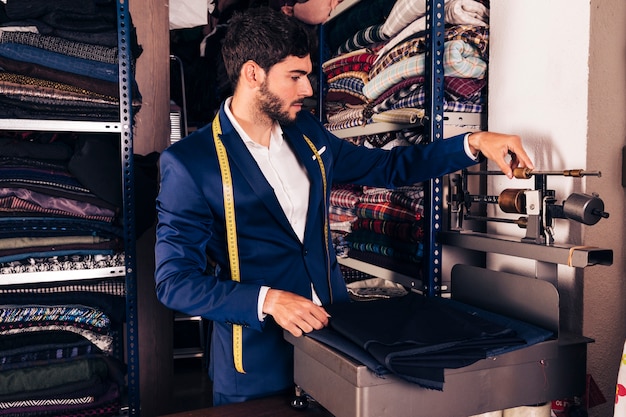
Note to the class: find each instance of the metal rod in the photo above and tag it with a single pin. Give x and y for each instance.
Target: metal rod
(522, 222)
(525, 173)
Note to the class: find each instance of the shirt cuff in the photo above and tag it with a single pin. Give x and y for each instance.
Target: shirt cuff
(261, 301)
(466, 146)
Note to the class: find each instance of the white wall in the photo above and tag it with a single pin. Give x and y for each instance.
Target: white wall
(569, 106)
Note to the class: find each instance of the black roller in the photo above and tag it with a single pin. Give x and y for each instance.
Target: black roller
(584, 208)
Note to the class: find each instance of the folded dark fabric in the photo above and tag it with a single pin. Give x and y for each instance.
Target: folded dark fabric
(95, 85)
(417, 337)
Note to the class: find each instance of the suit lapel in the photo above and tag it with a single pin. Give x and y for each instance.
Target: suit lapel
(306, 156)
(241, 160)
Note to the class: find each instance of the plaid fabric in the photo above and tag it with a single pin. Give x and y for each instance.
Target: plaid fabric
(402, 14)
(360, 70)
(394, 74)
(344, 198)
(411, 203)
(404, 50)
(406, 231)
(399, 90)
(356, 74)
(460, 60)
(418, 98)
(354, 85)
(341, 218)
(364, 38)
(342, 211)
(477, 36)
(377, 195)
(385, 211)
(362, 56)
(463, 87)
(344, 56)
(415, 44)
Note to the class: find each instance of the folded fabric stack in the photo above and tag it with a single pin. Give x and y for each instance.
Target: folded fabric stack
(46, 212)
(417, 338)
(377, 65)
(380, 226)
(59, 356)
(60, 60)
(57, 342)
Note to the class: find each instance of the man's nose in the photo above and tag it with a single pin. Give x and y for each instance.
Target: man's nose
(306, 89)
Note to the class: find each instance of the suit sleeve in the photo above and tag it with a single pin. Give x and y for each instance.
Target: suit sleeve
(185, 226)
(403, 165)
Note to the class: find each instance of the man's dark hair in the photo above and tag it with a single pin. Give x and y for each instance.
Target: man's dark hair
(265, 36)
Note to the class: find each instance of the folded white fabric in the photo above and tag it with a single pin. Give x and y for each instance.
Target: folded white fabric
(466, 12)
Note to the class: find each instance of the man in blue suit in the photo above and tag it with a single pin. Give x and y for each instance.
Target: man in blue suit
(263, 172)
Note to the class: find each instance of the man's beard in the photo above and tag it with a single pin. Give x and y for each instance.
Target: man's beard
(271, 105)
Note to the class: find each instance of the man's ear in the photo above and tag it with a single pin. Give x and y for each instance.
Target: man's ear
(252, 74)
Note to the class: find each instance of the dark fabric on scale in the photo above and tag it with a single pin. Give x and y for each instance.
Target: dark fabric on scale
(417, 337)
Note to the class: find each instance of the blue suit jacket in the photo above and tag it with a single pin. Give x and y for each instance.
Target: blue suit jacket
(191, 234)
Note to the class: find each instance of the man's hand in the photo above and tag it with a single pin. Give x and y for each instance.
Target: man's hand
(294, 313)
(497, 147)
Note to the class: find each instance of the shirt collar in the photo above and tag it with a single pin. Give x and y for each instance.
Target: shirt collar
(276, 138)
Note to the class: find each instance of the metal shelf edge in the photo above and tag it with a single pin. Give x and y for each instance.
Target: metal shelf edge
(563, 254)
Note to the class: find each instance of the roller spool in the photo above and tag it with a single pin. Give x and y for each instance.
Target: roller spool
(526, 173)
(513, 200)
(584, 208)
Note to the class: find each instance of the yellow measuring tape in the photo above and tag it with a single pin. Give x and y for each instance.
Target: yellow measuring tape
(231, 228)
(325, 185)
(231, 233)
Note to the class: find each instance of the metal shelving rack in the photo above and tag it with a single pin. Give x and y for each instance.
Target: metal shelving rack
(434, 119)
(123, 127)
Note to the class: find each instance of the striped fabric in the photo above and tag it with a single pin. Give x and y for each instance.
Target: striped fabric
(346, 115)
(14, 204)
(363, 39)
(46, 402)
(62, 46)
(402, 14)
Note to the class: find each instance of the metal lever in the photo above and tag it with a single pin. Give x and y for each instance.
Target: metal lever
(526, 173)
